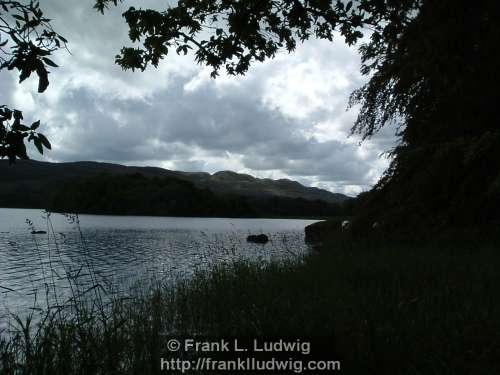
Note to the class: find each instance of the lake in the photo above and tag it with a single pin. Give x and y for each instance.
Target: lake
(120, 251)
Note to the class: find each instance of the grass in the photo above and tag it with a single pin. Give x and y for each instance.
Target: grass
(390, 310)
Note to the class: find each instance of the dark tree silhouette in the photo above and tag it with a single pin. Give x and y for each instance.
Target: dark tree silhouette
(435, 76)
(432, 67)
(26, 42)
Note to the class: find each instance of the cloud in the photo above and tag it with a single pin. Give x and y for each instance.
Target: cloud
(286, 118)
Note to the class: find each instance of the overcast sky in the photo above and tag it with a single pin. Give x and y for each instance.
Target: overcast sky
(286, 118)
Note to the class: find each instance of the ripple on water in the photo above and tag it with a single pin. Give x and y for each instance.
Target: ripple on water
(121, 251)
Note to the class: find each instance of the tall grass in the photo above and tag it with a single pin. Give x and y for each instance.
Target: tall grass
(390, 310)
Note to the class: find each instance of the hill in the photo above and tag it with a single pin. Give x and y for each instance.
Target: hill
(34, 184)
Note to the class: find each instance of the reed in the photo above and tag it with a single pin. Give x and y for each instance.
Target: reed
(389, 309)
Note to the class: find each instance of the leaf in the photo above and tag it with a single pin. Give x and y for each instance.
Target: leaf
(18, 115)
(38, 145)
(43, 78)
(20, 127)
(50, 62)
(7, 114)
(25, 73)
(35, 125)
(44, 141)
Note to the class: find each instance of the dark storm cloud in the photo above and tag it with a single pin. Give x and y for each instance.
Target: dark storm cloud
(286, 118)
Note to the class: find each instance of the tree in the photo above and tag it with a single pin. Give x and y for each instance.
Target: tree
(432, 67)
(435, 76)
(237, 32)
(26, 41)
(431, 64)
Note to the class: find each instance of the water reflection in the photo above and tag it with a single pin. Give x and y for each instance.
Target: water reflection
(117, 252)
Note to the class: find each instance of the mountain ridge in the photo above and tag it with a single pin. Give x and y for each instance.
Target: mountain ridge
(35, 179)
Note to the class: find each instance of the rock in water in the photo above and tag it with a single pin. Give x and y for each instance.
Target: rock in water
(258, 238)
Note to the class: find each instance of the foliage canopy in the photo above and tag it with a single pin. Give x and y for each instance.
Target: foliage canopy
(27, 39)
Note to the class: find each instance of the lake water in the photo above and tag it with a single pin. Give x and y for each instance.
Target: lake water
(119, 251)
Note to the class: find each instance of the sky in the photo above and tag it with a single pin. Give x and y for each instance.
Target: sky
(286, 118)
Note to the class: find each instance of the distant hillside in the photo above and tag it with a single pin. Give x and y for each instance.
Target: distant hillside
(34, 184)
(246, 185)
(135, 194)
